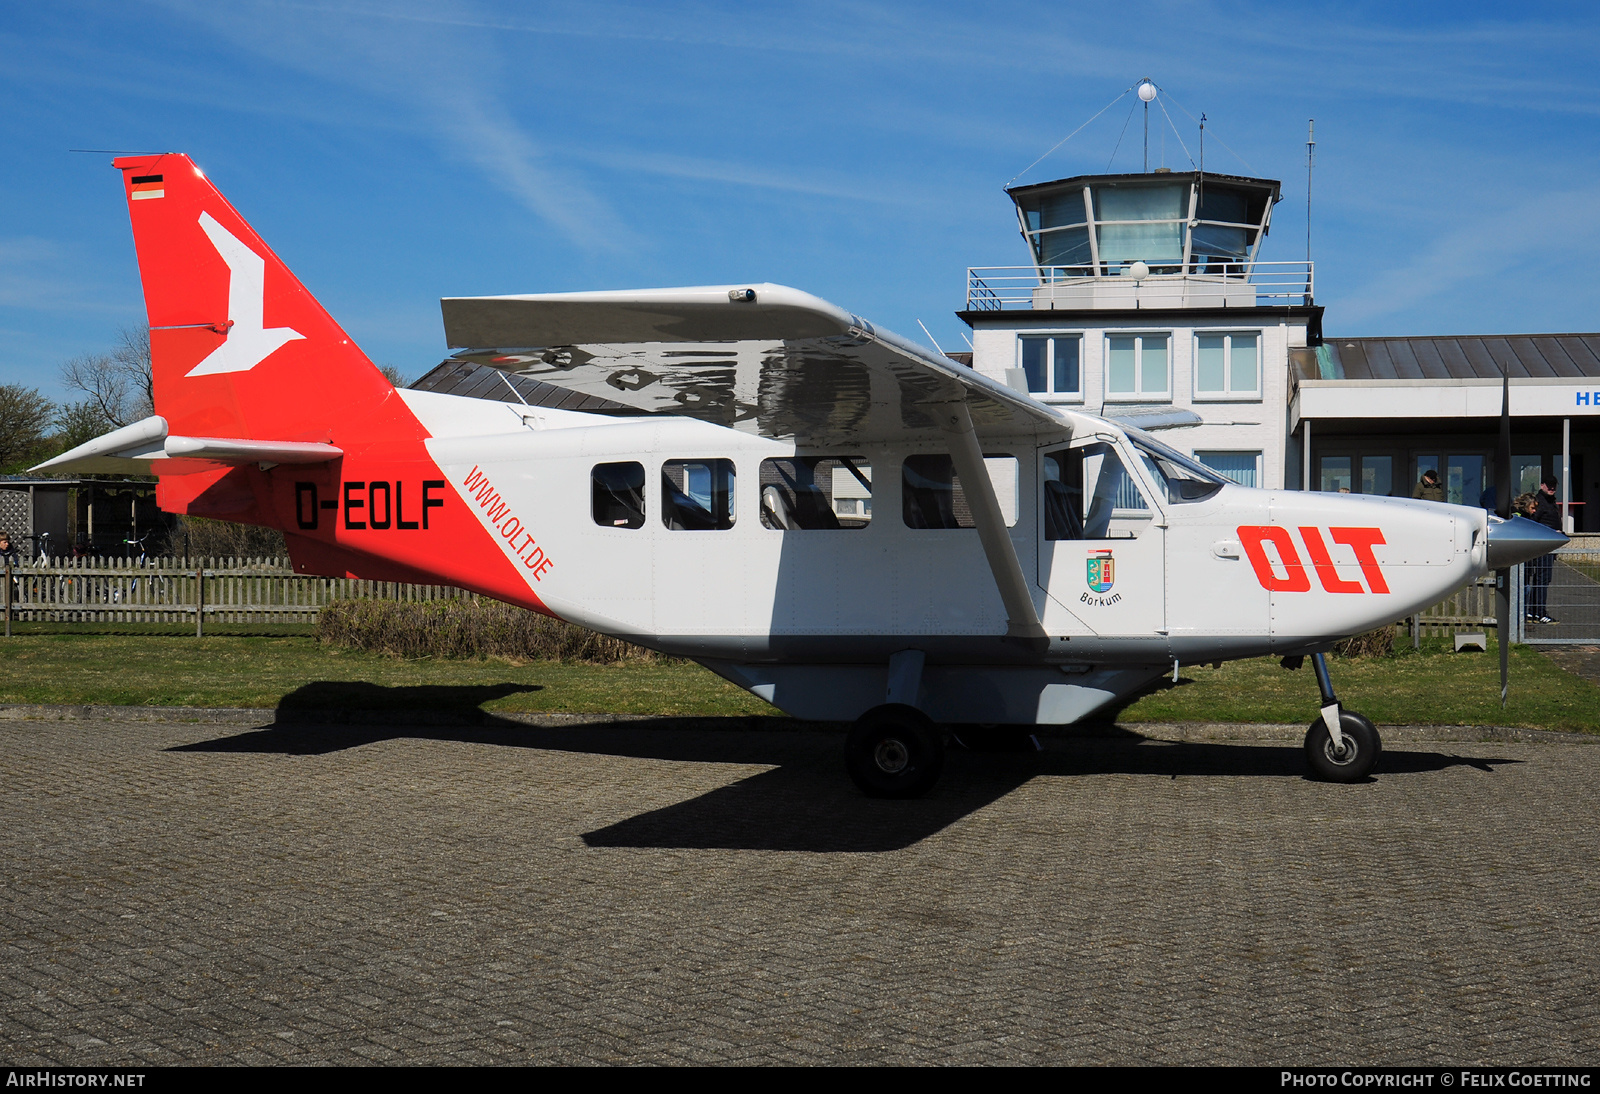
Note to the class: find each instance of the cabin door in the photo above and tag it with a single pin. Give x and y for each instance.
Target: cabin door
(1101, 555)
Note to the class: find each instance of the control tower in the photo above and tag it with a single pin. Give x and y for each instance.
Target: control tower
(1197, 236)
(1146, 298)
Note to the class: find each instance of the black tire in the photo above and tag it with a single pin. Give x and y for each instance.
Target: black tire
(894, 751)
(1362, 748)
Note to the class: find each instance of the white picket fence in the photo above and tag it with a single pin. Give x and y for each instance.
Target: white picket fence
(198, 591)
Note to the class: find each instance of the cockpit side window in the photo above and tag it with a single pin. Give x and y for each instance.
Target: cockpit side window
(1088, 494)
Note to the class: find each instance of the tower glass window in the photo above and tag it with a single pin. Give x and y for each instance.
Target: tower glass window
(1141, 223)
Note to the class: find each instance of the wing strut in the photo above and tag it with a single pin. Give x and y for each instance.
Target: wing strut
(1022, 620)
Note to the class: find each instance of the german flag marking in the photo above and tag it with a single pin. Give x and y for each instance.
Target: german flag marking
(147, 186)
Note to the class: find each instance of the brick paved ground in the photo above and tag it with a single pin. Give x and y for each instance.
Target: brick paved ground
(666, 891)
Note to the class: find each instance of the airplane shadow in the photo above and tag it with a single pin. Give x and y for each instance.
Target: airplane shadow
(804, 802)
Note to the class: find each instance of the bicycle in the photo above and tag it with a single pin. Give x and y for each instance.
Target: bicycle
(41, 548)
(158, 583)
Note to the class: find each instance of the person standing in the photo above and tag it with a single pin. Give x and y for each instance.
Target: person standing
(1428, 487)
(1547, 513)
(9, 561)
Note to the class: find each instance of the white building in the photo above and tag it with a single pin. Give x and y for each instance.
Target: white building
(1147, 299)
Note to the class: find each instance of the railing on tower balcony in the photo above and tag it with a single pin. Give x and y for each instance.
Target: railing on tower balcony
(1206, 283)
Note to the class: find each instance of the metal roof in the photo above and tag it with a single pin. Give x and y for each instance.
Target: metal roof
(1460, 357)
(1272, 186)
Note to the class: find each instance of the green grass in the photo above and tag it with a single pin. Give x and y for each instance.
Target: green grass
(296, 672)
(1430, 688)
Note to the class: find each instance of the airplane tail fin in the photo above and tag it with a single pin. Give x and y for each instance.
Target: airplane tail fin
(267, 413)
(239, 348)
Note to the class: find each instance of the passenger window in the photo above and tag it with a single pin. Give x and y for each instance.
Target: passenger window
(809, 492)
(618, 495)
(931, 495)
(1116, 508)
(697, 495)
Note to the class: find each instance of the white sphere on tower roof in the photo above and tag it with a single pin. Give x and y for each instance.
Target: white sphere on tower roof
(1147, 91)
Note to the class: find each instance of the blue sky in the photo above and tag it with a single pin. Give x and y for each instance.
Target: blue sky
(393, 153)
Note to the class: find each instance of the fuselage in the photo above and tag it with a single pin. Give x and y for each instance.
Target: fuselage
(1153, 578)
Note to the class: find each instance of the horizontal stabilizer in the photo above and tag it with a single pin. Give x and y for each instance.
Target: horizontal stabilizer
(140, 448)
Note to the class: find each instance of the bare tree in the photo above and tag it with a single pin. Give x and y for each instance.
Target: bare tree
(119, 384)
(24, 416)
(393, 375)
(132, 356)
(79, 422)
(224, 539)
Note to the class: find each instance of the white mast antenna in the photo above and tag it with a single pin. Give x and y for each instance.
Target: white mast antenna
(1147, 91)
(1311, 159)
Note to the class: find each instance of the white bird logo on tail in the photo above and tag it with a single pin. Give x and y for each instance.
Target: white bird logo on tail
(248, 342)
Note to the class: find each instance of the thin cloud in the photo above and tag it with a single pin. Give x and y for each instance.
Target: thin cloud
(38, 274)
(443, 80)
(1469, 260)
(738, 174)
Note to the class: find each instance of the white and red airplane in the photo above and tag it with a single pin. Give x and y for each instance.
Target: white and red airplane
(847, 525)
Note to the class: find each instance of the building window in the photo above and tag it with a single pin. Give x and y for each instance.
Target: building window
(1335, 477)
(1054, 364)
(1243, 468)
(1461, 477)
(1377, 475)
(1138, 366)
(1358, 474)
(618, 495)
(811, 492)
(1227, 366)
(697, 495)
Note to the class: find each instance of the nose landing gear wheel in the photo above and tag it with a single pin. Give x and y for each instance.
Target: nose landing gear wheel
(1352, 763)
(894, 751)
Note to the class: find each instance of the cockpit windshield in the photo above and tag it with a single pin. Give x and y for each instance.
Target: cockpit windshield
(1182, 478)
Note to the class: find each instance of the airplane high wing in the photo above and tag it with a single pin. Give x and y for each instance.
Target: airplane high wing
(763, 359)
(851, 527)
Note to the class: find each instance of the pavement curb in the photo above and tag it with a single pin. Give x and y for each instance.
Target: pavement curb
(1131, 731)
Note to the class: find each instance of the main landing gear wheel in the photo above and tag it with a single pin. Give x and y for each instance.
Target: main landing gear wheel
(1350, 764)
(894, 751)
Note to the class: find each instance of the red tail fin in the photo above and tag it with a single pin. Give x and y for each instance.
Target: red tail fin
(240, 348)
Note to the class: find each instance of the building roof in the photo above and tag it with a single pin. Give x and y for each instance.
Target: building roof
(1271, 185)
(1459, 357)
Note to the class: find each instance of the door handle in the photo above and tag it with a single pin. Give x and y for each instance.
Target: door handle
(1225, 548)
